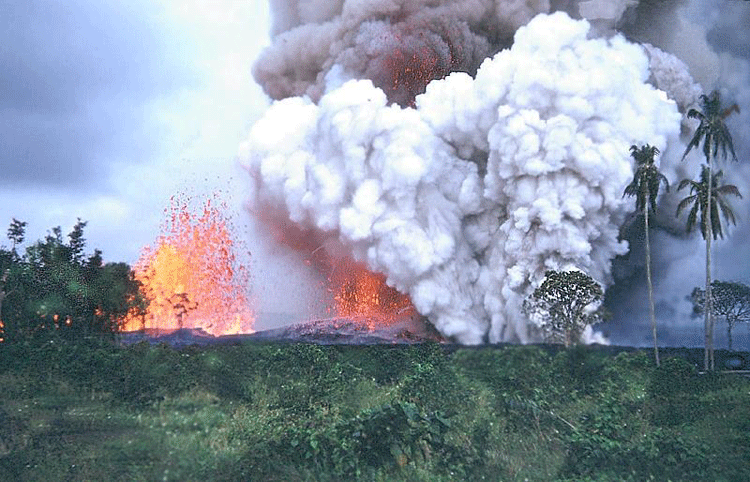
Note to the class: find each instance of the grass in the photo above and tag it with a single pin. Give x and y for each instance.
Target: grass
(417, 413)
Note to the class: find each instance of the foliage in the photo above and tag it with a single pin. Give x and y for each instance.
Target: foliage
(711, 130)
(564, 304)
(672, 393)
(647, 178)
(96, 411)
(54, 290)
(388, 435)
(731, 300)
(700, 201)
(16, 233)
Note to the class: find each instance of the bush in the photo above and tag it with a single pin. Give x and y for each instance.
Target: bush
(673, 393)
(579, 369)
(431, 381)
(512, 371)
(389, 436)
(658, 454)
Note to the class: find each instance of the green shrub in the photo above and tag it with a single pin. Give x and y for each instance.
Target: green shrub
(431, 381)
(387, 438)
(673, 393)
(512, 370)
(579, 369)
(658, 454)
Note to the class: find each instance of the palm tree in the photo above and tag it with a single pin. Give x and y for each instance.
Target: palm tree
(710, 223)
(645, 187)
(714, 133)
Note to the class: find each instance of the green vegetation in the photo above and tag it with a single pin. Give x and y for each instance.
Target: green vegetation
(54, 291)
(423, 412)
(731, 301)
(564, 305)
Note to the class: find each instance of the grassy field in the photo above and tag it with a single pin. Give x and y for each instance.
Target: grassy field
(423, 412)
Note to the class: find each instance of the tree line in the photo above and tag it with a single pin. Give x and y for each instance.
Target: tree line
(54, 289)
(566, 302)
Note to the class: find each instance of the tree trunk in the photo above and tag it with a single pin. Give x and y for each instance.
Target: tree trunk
(2, 325)
(650, 285)
(709, 322)
(729, 334)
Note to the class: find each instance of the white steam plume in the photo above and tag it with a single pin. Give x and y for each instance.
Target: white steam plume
(466, 199)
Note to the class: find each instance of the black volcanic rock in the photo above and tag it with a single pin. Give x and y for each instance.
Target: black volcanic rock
(329, 331)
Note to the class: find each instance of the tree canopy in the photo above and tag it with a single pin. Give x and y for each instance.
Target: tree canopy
(564, 305)
(647, 178)
(712, 130)
(730, 300)
(699, 202)
(55, 288)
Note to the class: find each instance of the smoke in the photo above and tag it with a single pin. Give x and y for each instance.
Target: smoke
(705, 40)
(464, 200)
(463, 147)
(400, 45)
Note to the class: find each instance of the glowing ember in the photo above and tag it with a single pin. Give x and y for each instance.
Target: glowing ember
(360, 293)
(191, 278)
(415, 63)
(354, 291)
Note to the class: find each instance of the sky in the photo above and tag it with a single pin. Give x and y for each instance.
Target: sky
(107, 109)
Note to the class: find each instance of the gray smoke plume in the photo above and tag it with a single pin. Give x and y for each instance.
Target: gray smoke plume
(464, 147)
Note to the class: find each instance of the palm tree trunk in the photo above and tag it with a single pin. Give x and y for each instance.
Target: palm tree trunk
(729, 334)
(650, 285)
(709, 322)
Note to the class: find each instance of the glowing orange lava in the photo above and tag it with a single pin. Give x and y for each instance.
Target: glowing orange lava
(360, 293)
(354, 292)
(191, 277)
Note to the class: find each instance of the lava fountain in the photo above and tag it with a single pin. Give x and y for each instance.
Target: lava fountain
(191, 277)
(360, 293)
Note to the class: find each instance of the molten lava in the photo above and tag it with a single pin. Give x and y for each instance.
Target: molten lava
(359, 293)
(419, 58)
(191, 278)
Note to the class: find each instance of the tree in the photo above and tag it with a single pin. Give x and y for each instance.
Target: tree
(52, 289)
(564, 305)
(77, 241)
(16, 233)
(711, 227)
(731, 300)
(3, 294)
(182, 305)
(645, 187)
(699, 201)
(714, 134)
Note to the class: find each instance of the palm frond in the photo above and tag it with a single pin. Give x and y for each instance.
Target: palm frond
(729, 189)
(695, 114)
(716, 226)
(684, 183)
(712, 130)
(727, 211)
(646, 179)
(692, 217)
(685, 203)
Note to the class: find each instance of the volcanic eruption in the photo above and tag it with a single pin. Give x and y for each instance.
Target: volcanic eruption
(461, 148)
(191, 277)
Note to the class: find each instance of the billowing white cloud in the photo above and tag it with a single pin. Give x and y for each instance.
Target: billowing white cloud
(466, 199)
